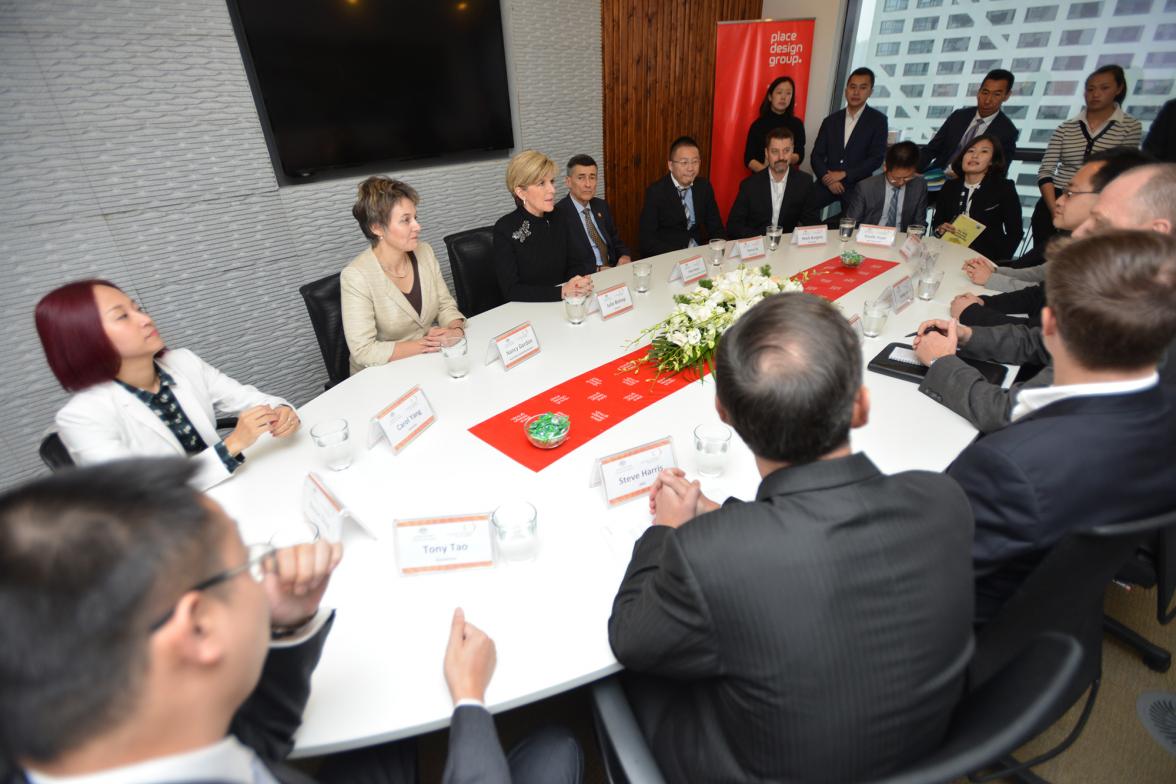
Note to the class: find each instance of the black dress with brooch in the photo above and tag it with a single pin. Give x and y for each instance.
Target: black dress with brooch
(531, 257)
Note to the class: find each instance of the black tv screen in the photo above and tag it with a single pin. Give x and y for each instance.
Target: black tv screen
(356, 83)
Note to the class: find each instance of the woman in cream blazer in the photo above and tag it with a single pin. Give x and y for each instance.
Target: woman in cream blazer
(395, 302)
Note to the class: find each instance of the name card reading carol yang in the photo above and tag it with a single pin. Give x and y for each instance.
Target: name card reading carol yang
(689, 270)
(904, 294)
(629, 474)
(750, 249)
(876, 235)
(402, 420)
(513, 346)
(439, 544)
(810, 235)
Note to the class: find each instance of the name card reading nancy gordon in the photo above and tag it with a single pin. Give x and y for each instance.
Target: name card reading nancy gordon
(810, 235)
(689, 270)
(513, 346)
(402, 420)
(614, 301)
(440, 544)
(629, 474)
(876, 235)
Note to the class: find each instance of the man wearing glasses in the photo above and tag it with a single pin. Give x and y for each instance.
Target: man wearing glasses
(680, 209)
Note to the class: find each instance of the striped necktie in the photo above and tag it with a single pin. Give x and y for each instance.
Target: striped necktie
(963, 145)
(594, 235)
(892, 211)
(686, 207)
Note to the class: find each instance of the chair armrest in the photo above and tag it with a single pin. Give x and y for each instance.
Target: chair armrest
(627, 757)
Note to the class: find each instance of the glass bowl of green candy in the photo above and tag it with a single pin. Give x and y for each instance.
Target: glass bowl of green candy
(547, 431)
(851, 258)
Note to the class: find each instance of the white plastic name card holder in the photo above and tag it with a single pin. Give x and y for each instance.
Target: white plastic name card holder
(903, 294)
(855, 321)
(514, 346)
(629, 474)
(402, 420)
(876, 235)
(887, 296)
(442, 544)
(910, 247)
(689, 270)
(614, 301)
(810, 235)
(323, 508)
(750, 249)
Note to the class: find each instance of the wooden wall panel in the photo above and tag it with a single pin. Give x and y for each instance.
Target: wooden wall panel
(659, 74)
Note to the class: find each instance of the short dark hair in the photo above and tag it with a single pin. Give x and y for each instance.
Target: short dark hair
(787, 374)
(88, 558)
(766, 106)
(375, 199)
(863, 71)
(75, 343)
(902, 155)
(1116, 71)
(781, 132)
(1115, 161)
(1000, 75)
(999, 163)
(1114, 297)
(682, 141)
(580, 160)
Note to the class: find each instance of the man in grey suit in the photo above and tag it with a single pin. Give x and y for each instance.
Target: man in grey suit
(896, 197)
(1143, 198)
(155, 646)
(819, 632)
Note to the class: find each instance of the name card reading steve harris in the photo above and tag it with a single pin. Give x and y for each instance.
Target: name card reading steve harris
(402, 420)
(629, 474)
(614, 301)
(810, 235)
(514, 346)
(689, 270)
(439, 544)
(869, 234)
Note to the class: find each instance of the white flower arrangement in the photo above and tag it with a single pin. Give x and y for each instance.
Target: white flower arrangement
(688, 336)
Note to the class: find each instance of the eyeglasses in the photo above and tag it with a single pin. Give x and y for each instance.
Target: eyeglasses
(688, 161)
(255, 561)
(1069, 194)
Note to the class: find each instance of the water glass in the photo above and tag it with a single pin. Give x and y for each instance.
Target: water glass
(642, 272)
(928, 283)
(845, 229)
(516, 531)
(717, 247)
(774, 234)
(874, 313)
(711, 444)
(917, 230)
(574, 305)
(331, 437)
(456, 353)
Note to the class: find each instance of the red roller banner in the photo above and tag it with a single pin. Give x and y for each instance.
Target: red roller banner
(748, 56)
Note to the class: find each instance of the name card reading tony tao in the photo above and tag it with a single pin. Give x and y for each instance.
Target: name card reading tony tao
(513, 346)
(438, 544)
(689, 270)
(750, 249)
(629, 474)
(876, 235)
(614, 301)
(810, 235)
(402, 420)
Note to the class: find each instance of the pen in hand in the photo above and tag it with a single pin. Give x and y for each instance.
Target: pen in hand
(929, 329)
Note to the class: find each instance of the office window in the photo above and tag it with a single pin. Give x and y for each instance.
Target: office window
(1016, 112)
(950, 67)
(880, 91)
(1123, 59)
(1041, 13)
(956, 21)
(1145, 114)
(938, 112)
(985, 43)
(1003, 17)
(923, 46)
(894, 5)
(956, 44)
(929, 4)
(984, 66)
(1074, 62)
(1033, 40)
(888, 69)
(1154, 86)
(1024, 89)
(1022, 65)
(1129, 7)
(886, 48)
(913, 90)
(1040, 136)
(901, 114)
(1061, 88)
(1159, 60)
(1124, 35)
(1027, 178)
(1165, 32)
(1076, 37)
(924, 23)
(891, 26)
(1084, 11)
(945, 90)
(1053, 112)
(915, 69)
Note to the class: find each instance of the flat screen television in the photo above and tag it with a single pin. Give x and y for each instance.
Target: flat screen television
(351, 84)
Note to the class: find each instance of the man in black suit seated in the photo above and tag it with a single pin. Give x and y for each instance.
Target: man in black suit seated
(821, 631)
(896, 197)
(850, 144)
(776, 195)
(680, 209)
(963, 125)
(1098, 446)
(146, 643)
(593, 239)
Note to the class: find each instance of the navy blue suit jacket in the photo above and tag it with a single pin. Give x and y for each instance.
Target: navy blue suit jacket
(663, 221)
(937, 152)
(859, 158)
(579, 249)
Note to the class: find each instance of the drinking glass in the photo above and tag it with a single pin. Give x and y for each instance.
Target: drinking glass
(516, 536)
(928, 283)
(845, 229)
(642, 272)
(456, 353)
(774, 234)
(874, 313)
(717, 247)
(332, 437)
(711, 443)
(917, 230)
(575, 307)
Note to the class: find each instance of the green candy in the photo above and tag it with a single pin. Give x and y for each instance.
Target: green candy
(548, 427)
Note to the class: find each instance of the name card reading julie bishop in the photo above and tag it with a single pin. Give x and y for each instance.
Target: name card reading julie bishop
(629, 474)
(514, 346)
(614, 301)
(810, 235)
(402, 420)
(876, 235)
(689, 270)
(441, 544)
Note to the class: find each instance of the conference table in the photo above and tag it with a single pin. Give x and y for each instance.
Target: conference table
(380, 676)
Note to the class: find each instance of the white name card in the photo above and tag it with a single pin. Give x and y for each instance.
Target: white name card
(876, 235)
(323, 508)
(887, 296)
(513, 346)
(402, 420)
(910, 247)
(629, 474)
(689, 270)
(855, 321)
(614, 301)
(904, 294)
(750, 249)
(441, 544)
(810, 235)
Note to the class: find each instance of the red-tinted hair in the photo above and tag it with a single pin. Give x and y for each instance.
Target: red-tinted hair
(71, 332)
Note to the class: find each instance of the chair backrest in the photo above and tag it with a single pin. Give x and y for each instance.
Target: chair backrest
(471, 257)
(54, 454)
(326, 315)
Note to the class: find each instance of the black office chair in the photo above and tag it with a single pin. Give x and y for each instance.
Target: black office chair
(1152, 567)
(326, 315)
(471, 257)
(53, 453)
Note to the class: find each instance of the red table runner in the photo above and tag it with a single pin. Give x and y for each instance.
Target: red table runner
(832, 279)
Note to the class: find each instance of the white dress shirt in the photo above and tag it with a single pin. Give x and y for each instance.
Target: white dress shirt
(777, 192)
(851, 122)
(1035, 398)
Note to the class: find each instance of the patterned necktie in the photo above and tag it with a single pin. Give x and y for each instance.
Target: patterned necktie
(686, 207)
(963, 145)
(594, 235)
(892, 212)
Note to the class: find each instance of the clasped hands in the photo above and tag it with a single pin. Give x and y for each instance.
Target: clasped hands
(278, 421)
(673, 500)
(432, 339)
(939, 338)
(979, 269)
(833, 181)
(578, 286)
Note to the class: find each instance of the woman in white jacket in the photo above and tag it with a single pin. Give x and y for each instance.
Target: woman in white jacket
(133, 396)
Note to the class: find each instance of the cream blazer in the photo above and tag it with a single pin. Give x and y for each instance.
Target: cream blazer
(376, 314)
(106, 422)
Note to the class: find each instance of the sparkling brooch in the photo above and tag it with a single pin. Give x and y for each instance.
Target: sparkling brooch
(523, 232)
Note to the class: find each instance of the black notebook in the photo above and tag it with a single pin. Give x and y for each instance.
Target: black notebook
(899, 360)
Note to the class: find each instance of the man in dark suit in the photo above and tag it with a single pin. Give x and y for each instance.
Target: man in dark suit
(680, 209)
(593, 239)
(963, 125)
(1097, 447)
(777, 195)
(821, 631)
(147, 628)
(850, 144)
(896, 197)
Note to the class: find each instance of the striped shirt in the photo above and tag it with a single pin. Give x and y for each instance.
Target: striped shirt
(1072, 144)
